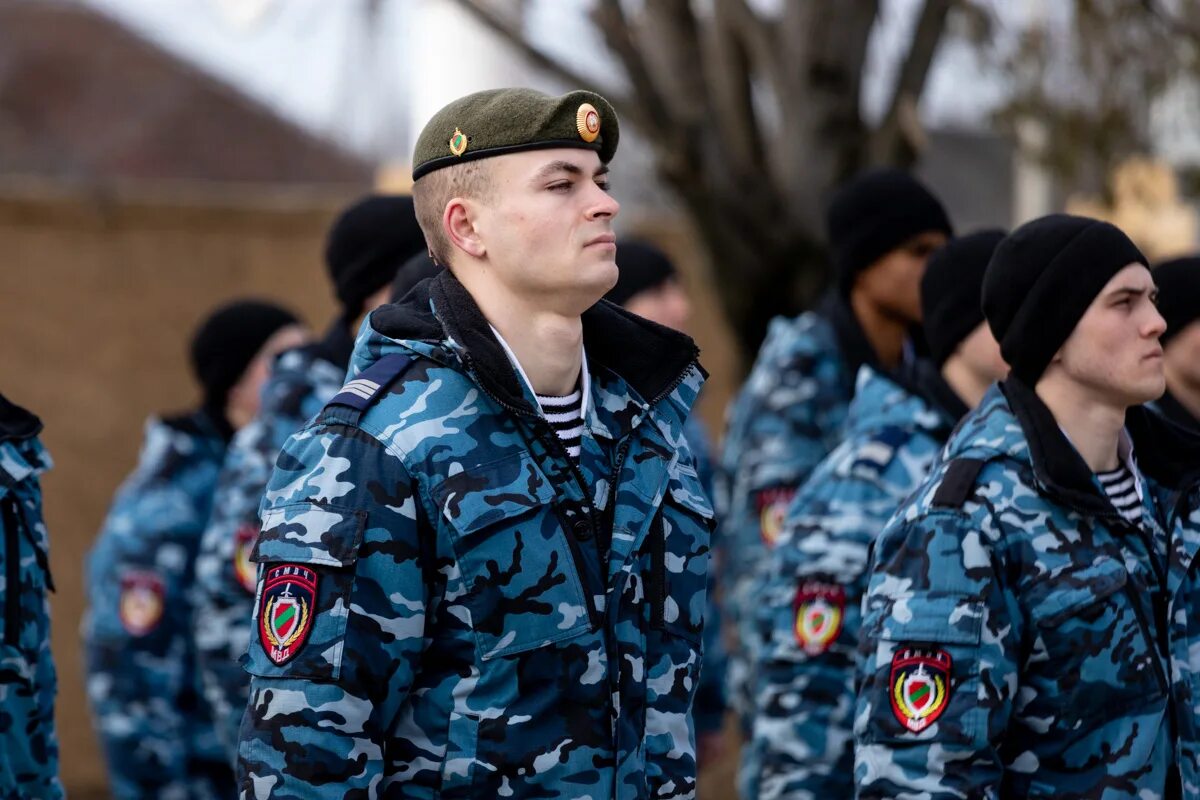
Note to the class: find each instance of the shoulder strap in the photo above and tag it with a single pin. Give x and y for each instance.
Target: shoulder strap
(957, 482)
(368, 386)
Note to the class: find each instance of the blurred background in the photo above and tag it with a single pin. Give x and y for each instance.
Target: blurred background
(159, 156)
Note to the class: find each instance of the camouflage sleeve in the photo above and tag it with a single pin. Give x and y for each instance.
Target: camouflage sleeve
(939, 647)
(808, 621)
(339, 618)
(141, 682)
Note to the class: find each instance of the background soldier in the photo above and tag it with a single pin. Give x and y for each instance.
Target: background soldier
(815, 576)
(1028, 624)
(1179, 303)
(882, 226)
(159, 740)
(366, 246)
(28, 744)
(463, 591)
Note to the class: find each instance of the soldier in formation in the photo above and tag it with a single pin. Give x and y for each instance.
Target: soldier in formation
(1178, 284)
(1029, 622)
(882, 227)
(158, 737)
(28, 743)
(814, 578)
(482, 567)
(365, 248)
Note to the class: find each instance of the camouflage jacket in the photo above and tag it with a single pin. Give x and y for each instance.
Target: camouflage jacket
(449, 606)
(1022, 639)
(789, 414)
(302, 381)
(28, 744)
(813, 582)
(158, 738)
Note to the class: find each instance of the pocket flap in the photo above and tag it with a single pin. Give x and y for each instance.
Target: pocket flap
(310, 533)
(686, 490)
(944, 619)
(475, 498)
(1065, 594)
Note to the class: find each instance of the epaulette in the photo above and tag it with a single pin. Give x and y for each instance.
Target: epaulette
(369, 385)
(957, 482)
(879, 452)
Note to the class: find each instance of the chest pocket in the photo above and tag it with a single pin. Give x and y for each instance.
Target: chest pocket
(26, 577)
(306, 554)
(523, 588)
(1091, 640)
(679, 553)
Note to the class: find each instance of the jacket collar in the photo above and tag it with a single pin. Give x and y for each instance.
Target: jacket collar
(1173, 410)
(16, 423)
(852, 341)
(650, 358)
(1167, 454)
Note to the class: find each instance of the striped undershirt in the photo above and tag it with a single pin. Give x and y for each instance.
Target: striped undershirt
(565, 415)
(1121, 487)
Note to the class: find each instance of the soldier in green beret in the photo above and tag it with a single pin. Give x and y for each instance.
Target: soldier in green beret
(483, 564)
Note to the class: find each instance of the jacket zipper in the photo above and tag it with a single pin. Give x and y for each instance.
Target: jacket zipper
(12, 573)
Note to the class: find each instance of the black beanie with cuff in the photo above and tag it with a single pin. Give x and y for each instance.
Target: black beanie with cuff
(1178, 284)
(951, 289)
(1041, 280)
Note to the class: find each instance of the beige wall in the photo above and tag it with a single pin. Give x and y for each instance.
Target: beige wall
(98, 297)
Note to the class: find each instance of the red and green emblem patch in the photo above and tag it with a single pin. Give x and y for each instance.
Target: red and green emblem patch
(243, 568)
(772, 505)
(142, 601)
(919, 686)
(289, 598)
(819, 608)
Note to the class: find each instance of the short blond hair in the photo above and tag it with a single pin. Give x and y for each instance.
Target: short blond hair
(431, 193)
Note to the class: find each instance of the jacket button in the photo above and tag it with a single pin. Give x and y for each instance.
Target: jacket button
(583, 529)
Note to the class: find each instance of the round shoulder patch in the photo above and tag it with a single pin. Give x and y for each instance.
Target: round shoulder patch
(919, 686)
(142, 600)
(772, 505)
(289, 599)
(820, 607)
(587, 122)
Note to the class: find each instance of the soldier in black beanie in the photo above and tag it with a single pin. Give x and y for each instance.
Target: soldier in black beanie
(882, 227)
(1179, 303)
(366, 246)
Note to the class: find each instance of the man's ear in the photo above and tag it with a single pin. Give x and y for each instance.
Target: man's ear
(458, 222)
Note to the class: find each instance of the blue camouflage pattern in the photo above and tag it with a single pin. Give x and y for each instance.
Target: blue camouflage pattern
(802, 741)
(1038, 601)
(302, 381)
(28, 684)
(491, 619)
(158, 739)
(789, 414)
(710, 704)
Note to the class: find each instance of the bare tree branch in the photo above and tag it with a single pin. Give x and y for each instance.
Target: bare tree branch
(610, 18)
(896, 138)
(544, 61)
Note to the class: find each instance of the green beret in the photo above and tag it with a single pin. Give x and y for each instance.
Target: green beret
(501, 121)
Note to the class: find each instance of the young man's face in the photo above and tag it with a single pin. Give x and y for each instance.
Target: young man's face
(667, 304)
(981, 353)
(1114, 350)
(547, 226)
(893, 283)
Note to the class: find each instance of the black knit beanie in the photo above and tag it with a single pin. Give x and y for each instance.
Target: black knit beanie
(875, 213)
(950, 291)
(412, 272)
(1178, 284)
(1041, 280)
(641, 266)
(225, 344)
(367, 244)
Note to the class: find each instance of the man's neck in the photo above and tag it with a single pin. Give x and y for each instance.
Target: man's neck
(547, 344)
(884, 332)
(966, 382)
(1093, 426)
